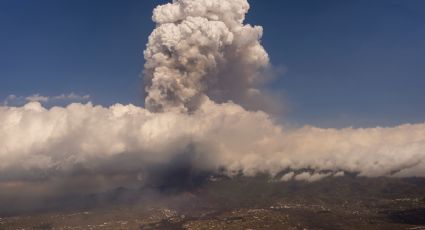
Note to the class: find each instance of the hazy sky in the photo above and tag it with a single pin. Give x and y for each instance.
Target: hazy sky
(358, 63)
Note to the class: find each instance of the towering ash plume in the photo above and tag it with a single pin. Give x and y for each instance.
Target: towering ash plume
(201, 49)
(199, 58)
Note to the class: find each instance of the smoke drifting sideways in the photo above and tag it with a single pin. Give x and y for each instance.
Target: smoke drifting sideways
(202, 73)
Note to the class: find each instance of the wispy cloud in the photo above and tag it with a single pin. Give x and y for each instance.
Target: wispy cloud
(37, 97)
(14, 100)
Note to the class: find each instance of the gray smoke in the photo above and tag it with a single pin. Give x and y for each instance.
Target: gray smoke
(201, 49)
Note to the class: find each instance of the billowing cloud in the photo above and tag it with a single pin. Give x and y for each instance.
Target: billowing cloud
(38, 141)
(201, 49)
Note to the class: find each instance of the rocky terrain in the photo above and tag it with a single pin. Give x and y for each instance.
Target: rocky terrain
(347, 202)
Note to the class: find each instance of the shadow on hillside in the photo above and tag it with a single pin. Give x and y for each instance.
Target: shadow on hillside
(410, 216)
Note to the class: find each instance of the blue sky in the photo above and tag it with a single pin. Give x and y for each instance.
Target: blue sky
(349, 63)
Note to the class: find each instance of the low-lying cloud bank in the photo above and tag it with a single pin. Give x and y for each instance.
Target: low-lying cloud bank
(38, 143)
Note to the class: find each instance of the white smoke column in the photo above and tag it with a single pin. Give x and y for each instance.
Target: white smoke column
(200, 49)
